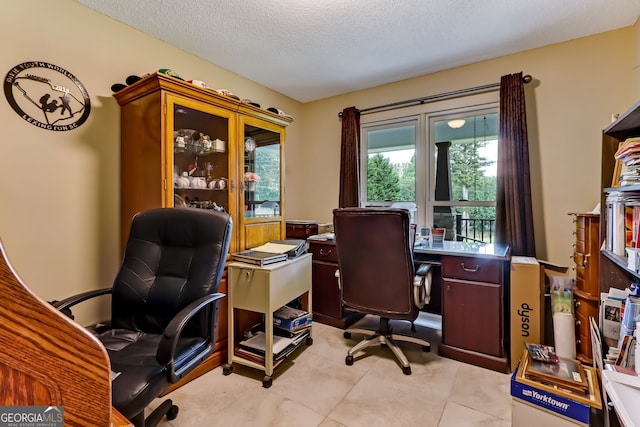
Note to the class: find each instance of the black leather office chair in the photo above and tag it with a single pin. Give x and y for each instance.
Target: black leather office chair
(377, 274)
(164, 305)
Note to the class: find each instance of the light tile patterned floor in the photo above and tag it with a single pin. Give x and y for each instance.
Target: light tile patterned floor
(316, 388)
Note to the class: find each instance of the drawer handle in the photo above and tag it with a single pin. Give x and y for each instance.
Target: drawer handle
(323, 253)
(470, 270)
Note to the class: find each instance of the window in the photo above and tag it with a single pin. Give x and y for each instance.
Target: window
(441, 164)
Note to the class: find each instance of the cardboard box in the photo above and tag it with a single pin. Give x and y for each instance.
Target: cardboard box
(526, 305)
(530, 281)
(536, 404)
(290, 319)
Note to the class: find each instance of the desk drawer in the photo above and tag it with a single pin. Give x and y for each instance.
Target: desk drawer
(323, 251)
(472, 268)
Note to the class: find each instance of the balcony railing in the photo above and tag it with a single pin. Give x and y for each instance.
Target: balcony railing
(475, 229)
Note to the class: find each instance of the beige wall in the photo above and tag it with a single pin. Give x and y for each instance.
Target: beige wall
(59, 191)
(577, 86)
(636, 56)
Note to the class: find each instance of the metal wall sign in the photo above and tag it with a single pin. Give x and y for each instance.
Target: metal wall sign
(47, 96)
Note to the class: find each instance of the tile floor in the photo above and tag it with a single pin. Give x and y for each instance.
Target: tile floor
(316, 388)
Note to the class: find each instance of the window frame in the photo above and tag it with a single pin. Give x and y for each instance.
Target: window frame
(424, 116)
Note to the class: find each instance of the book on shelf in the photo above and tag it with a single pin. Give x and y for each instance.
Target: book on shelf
(257, 343)
(282, 346)
(626, 356)
(298, 246)
(259, 258)
(292, 247)
(293, 334)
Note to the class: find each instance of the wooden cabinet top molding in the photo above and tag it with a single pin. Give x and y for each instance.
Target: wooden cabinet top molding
(157, 81)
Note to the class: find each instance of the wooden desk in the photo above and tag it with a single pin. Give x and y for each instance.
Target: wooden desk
(473, 304)
(474, 291)
(264, 290)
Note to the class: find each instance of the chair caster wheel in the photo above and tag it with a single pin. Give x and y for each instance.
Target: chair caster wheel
(267, 381)
(173, 412)
(347, 335)
(227, 369)
(309, 341)
(349, 360)
(426, 349)
(406, 370)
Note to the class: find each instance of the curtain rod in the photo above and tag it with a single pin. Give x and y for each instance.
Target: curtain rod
(478, 89)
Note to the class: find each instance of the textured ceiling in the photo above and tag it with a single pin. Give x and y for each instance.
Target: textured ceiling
(313, 49)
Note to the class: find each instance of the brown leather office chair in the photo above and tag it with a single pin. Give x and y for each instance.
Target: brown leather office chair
(377, 276)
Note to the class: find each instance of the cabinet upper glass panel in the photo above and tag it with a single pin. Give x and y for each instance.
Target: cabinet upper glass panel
(261, 179)
(201, 166)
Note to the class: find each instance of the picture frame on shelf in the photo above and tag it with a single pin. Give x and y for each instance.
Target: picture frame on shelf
(566, 373)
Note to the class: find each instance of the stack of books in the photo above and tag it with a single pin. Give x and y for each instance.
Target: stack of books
(298, 247)
(260, 258)
(628, 155)
(272, 252)
(290, 328)
(254, 347)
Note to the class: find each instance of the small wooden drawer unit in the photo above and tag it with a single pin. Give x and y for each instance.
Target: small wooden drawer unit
(301, 229)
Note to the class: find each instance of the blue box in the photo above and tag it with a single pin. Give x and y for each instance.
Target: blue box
(290, 319)
(553, 402)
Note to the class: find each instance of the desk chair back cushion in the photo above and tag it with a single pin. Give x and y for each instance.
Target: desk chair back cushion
(173, 257)
(375, 260)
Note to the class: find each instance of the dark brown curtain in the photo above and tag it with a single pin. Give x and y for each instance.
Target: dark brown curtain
(350, 159)
(514, 222)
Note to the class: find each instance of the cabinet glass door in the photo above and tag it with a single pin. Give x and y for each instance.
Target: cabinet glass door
(200, 148)
(262, 172)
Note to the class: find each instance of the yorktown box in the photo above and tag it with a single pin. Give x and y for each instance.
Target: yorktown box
(535, 404)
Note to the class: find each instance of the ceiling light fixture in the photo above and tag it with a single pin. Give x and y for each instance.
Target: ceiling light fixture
(456, 124)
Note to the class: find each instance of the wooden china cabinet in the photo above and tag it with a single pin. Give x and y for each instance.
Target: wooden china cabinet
(186, 145)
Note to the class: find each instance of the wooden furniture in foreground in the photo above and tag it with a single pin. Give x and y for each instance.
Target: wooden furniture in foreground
(48, 360)
(586, 256)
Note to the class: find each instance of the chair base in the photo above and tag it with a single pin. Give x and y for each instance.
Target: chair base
(166, 408)
(384, 336)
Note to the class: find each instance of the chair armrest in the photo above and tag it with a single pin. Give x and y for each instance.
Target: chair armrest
(169, 342)
(76, 299)
(422, 285)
